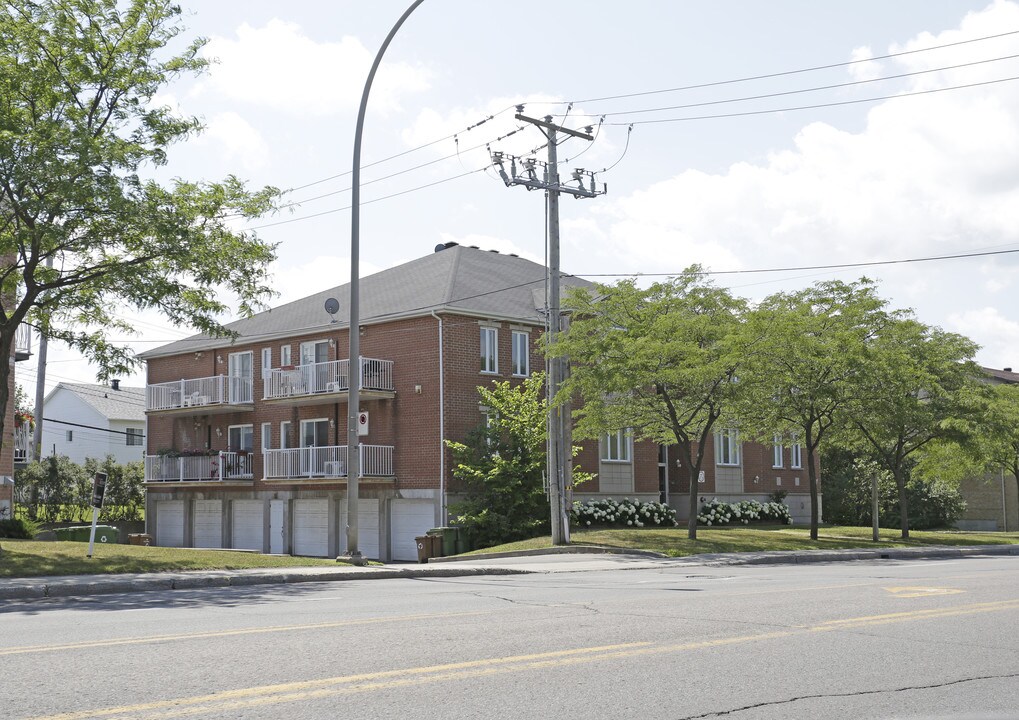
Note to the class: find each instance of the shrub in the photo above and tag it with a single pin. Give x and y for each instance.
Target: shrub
(19, 529)
(746, 512)
(627, 513)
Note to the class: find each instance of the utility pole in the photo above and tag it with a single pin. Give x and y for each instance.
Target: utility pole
(40, 383)
(559, 421)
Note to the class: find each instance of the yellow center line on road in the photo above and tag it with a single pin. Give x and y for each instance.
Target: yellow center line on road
(141, 640)
(310, 690)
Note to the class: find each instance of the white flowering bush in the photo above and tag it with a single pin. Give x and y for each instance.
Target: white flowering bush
(716, 512)
(622, 513)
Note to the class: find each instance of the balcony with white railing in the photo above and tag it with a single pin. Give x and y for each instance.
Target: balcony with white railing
(220, 467)
(323, 463)
(22, 443)
(316, 382)
(23, 342)
(200, 396)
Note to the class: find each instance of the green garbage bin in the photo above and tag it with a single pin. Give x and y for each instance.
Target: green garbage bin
(448, 535)
(463, 543)
(80, 533)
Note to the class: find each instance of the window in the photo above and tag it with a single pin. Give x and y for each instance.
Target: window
(134, 436)
(796, 454)
(489, 350)
(727, 447)
(615, 447)
(285, 355)
(240, 369)
(313, 352)
(70, 436)
(266, 436)
(266, 362)
(776, 452)
(241, 437)
(521, 361)
(285, 435)
(315, 433)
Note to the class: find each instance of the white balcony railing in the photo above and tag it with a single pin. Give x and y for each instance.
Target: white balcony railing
(199, 468)
(23, 342)
(197, 392)
(327, 377)
(22, 443)
(326, 462)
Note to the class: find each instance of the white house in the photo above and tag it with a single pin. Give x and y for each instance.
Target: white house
(82, 421)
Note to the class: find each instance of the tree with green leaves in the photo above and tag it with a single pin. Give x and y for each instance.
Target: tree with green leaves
(660, 361)
(85, 230)
(500, 467)
(919, 387)
(1000, 436)
(806, 358)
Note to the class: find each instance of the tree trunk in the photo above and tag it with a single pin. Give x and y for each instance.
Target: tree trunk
(812, 474)
(900, 484)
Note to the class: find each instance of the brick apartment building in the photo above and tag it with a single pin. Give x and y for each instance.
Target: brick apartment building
(245, 439)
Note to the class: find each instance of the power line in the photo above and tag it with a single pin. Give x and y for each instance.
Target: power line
(817, 106)
(793, 72)
(811, 267)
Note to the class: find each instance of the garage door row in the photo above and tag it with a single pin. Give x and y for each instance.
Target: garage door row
(305, 521)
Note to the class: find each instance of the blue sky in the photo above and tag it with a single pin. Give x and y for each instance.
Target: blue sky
(911, 177)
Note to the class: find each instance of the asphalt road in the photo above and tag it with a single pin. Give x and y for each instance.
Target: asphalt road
(925, 638)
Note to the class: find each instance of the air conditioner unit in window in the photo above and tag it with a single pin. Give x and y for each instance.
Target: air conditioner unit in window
(333, 468)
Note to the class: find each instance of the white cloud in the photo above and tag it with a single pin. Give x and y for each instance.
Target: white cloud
(863, 70)
(237, 139)
(998, 334)
(488, 242)
(319, 273)
(280, 67)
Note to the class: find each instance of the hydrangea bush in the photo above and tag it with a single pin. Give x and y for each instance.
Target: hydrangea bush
(624, 513)
(746, 512)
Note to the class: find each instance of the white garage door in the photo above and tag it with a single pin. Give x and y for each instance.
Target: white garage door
(410, 518)
(247, 524)
(367, 527)
(311, 527)
(170, 523)
(208, 523)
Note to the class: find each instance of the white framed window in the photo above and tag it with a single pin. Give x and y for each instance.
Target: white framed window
(616, 446)
(316, 351)
(521, 354)
(266, 362)
(727, 448)
(266, 436)
(241, 437)
(134, 436)
(489, 349)
(285, 435)
(70, 436)
(796, 454)
(315, 433)
(776, 452)
(285, 357)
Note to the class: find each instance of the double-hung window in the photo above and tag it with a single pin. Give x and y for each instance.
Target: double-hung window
(727, 447)
(489, 350)
(521, 361)
(796, 454)
(776, 452)
(616, 446)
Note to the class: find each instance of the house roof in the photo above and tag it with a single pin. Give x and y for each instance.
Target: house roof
(456, 278)
(1005, 376)
(127, 403)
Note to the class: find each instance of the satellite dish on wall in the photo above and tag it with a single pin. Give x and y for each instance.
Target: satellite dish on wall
(332, 305)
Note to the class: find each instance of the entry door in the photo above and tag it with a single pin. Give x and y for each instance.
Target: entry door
(277, 527)
(314, 437)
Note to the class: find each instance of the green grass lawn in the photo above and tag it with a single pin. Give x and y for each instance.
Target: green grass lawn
(31, 558)
(674, 543)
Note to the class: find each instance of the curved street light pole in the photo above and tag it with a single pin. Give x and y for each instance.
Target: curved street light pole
(354, 372)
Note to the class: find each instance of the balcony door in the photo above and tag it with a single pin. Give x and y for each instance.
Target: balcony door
(241, 371)
(314, 447)
(314, 365)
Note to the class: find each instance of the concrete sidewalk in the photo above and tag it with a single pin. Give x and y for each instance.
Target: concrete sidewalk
(573, 559)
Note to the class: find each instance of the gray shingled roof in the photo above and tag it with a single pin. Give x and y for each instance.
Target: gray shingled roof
(458, 279)
(128, 403)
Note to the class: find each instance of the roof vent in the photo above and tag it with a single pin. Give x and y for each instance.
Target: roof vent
(474, 246)
(115, 384)
(445, 246)
(495, 251)
(514, 255)
(1008, 369)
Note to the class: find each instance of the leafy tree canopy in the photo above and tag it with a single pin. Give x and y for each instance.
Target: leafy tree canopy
(83, 233)
(660, 361)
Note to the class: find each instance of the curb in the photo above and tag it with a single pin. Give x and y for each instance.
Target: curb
(565, 550)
